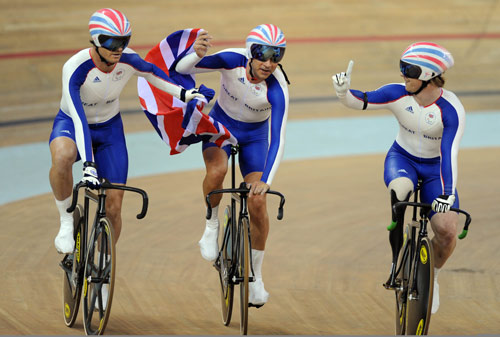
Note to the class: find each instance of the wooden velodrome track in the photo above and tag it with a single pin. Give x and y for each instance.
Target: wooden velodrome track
(325, 263)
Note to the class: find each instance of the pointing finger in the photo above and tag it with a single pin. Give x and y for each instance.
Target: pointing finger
(349, 68)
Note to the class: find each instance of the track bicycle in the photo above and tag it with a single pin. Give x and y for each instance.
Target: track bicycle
(92, 265)
(234, 261)
(412, 278)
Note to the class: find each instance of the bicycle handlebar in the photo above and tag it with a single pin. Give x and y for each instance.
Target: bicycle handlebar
(468, 218)
(106, 185)
(244, 191)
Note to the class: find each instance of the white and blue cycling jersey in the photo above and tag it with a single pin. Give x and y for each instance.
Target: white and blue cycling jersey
(426, 133)
(255, 114)
(91, 96)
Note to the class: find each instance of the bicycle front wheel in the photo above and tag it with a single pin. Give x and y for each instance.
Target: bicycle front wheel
(99, 278)
(420, 301)
(223, 264)
(72, 264)
(244, 266)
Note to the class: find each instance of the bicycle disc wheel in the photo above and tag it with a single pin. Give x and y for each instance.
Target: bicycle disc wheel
(224, 266)
(402, 278)
(244, 266)
(99, 276)
(419, 307)
(72, 264)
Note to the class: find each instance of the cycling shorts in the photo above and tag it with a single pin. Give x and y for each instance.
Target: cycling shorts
(108, 145)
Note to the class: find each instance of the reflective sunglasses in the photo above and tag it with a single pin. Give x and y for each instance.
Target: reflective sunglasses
(114, 43)
(264, 53)
(410, 70)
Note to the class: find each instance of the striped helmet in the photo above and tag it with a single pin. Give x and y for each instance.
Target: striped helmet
(266, 35)
(432, 59)
(108, 22)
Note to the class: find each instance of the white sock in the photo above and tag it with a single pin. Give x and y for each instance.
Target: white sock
(257, 259)
(213, 222)
(436, 272)
(62, 206)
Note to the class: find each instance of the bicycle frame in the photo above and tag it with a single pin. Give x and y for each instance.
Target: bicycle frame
(75, 276)
(234, 263)
(239, 195)
(413, 303)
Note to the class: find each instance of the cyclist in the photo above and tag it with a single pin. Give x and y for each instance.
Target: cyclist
(89, 126)
(252, 103)
(431, 124)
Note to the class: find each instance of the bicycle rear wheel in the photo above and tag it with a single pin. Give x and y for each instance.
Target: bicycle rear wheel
(420, 303)
(72, 264)
(402, 278)
(244, 266)
(223, 264)
(99, 273)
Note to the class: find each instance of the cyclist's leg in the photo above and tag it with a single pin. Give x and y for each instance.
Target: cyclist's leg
(63, 153)
(400, 177)
(111, 158)
(114, 203)
(216, 163)
(253, 154)
(444, 227)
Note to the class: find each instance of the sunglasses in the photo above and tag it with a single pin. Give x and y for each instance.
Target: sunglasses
(264, 53)
(410, 70)
(114, 43)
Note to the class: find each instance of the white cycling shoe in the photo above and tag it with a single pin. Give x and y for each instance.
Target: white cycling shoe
(435, 298)
(64, 242)
(257, 295)
(209, 247)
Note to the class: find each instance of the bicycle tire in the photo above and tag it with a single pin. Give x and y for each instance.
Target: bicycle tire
(402, 279)
(244, 267)
(99, 270)
(224, 266)
(419, 308)
(72, 265)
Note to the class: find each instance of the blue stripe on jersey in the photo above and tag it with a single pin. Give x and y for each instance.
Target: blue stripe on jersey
(388, 93)
(225, 60)
(276, 97)
(135, 61)
(451, 122)
(75, 82)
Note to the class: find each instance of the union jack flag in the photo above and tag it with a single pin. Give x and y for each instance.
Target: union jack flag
(177, 123)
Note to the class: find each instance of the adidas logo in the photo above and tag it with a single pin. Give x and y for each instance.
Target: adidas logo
(241, 79)
(409, 109)
(97, 79)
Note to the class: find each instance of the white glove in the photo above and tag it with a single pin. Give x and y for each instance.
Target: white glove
(187, 95)
(443, 203)
(342, 81)
(90, 175)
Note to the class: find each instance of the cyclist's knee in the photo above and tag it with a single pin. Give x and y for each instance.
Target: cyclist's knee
(400, 189)
(216, 173)
(444, 226)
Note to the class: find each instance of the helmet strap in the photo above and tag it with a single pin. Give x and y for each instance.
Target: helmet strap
(100, 56)
(252, 76)
(422, 87)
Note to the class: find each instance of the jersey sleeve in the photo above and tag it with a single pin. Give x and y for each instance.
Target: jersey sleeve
(153, 74)
(453, 117)
(73, 77)
(225, 59)
(372, 100)
(278, 97)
